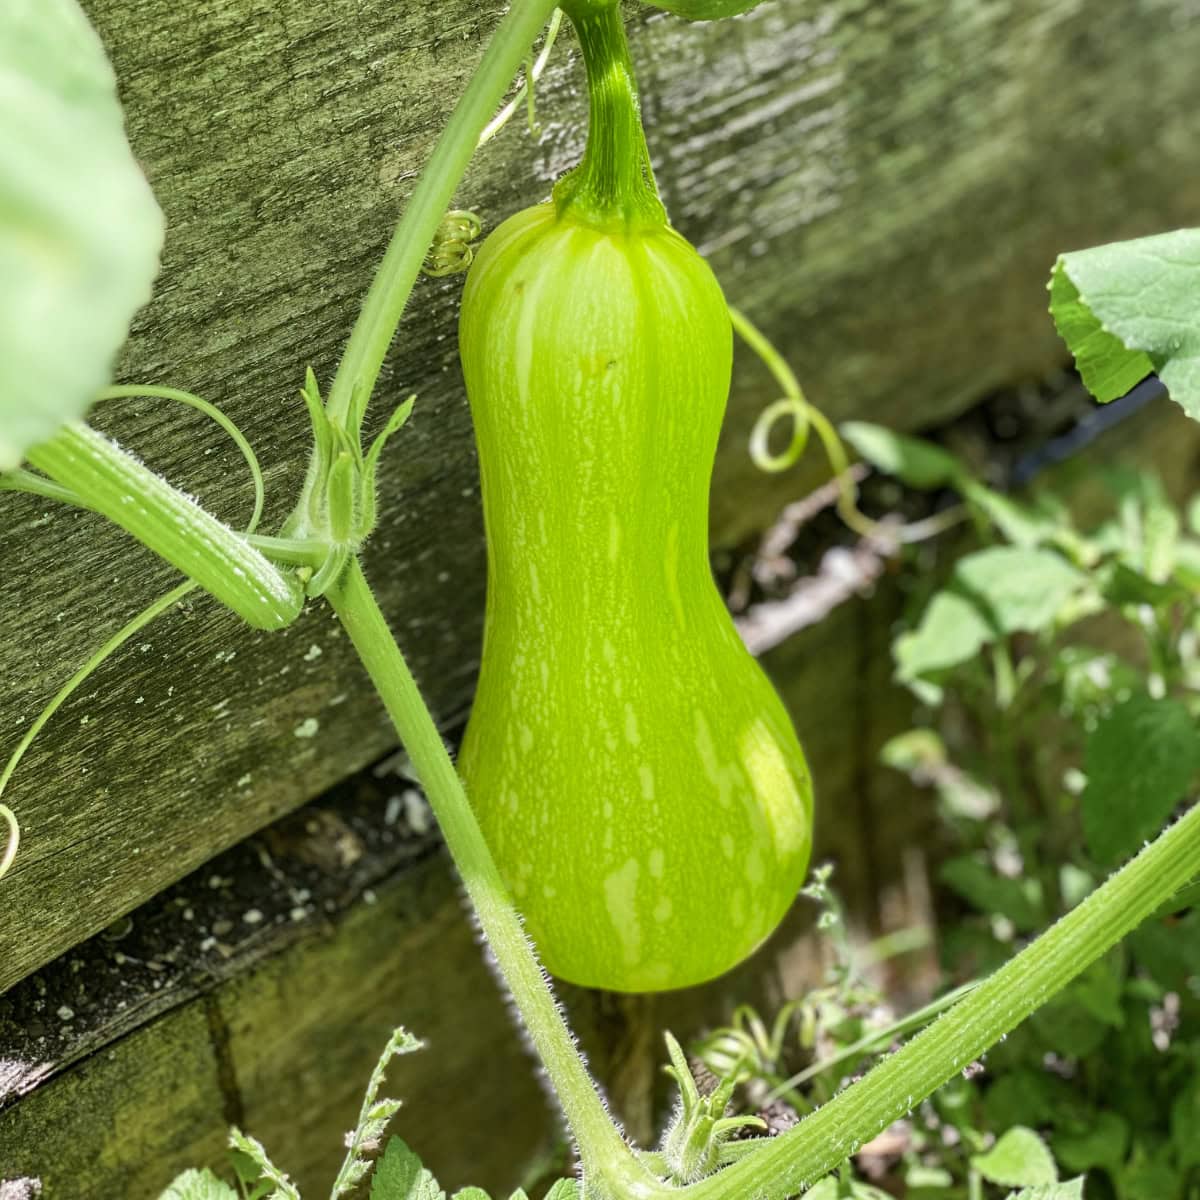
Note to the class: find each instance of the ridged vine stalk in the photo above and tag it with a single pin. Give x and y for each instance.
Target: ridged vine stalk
(114, 483)
(393, 282)
(800, 1157)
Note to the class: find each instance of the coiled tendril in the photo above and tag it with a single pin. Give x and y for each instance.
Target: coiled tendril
(452, 251)
(806, 417)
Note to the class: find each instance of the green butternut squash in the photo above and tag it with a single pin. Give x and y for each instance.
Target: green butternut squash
(634, 772)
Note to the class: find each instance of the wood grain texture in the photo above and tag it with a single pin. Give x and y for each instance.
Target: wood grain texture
(284, 1045)
(128, 1117)
(285, 1051)
(882, 186)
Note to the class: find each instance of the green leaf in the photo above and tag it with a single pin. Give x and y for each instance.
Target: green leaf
(198, 1185)
(1169, 951)
(1150, 1179)
(1160, 537)
(1187, 566)
(254, 1187)
(951, 632)
(1193, 514)
(1103, 1142)
(1019, 589)
(1189, 897)
(915, 752)
(1129, 308)
(920, 1175)
(1019, 1159)
(1054, 1191)
(1026, 1096)
(1017, 899)
(471, 1193)
(1098, 992)
(80, 232)
(918, 463)
(1140, 761)
(564, 1189)
(1108, 367)
(399, 1175)
(1068, 1028)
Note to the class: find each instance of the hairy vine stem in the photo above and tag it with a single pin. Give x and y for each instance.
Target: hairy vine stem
(601, 1146)
(800, 1157)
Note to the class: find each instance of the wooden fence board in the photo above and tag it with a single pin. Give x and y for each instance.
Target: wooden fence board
(883, 186)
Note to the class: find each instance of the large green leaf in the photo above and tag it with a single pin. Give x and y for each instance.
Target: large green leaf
(1130, 308)
(1019, 900)
(1103, 1142)
(918, 463)
(951, 632)
(1140, 761)
(80, 232)
(1185, 1121)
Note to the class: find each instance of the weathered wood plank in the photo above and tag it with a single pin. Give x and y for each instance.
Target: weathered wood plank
(280, 1036)
(883, 187)
(144, 1106)
(285, 1052)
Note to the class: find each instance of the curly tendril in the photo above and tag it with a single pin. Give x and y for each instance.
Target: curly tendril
(452, 251)
(211, 411)
(22, 480)
(805, 417)
(63, 694)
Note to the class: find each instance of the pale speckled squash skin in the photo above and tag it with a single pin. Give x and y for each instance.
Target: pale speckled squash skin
(634, 772)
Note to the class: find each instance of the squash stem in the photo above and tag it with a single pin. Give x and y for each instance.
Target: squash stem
(601, 1146)
(797, 1159)
(613, 187)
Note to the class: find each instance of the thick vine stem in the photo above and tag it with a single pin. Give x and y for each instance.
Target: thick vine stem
(602, 1149)
(393, 283)
(613, 187)
(799, 1158)
(116, 484)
